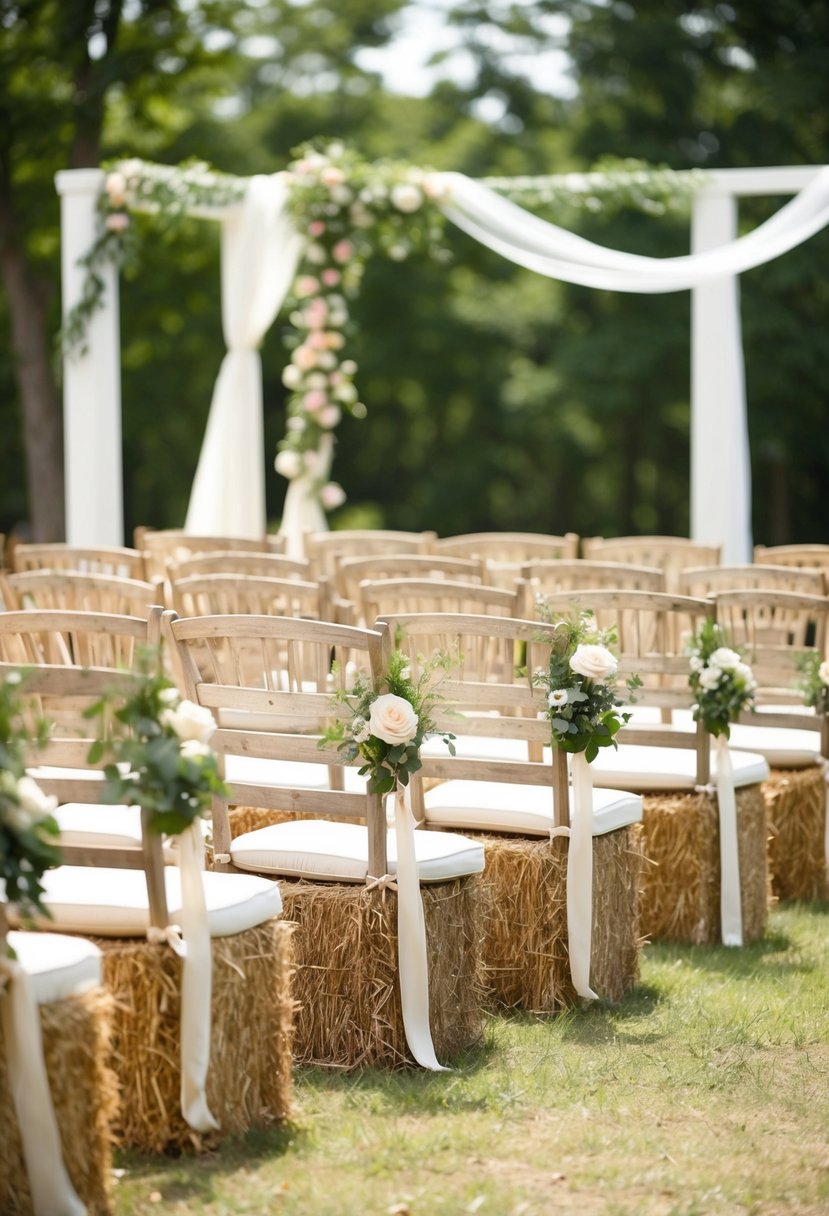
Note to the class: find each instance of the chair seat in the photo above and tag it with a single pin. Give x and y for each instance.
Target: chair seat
(477, 747)
(338, 852)
(109, 902)
(636, 767)
(782, 747)
(290, 773)
(494, 806)
(97, 825)
(57, 966)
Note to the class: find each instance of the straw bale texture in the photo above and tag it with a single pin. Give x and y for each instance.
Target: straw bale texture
(796, 800)
(525, 947)
(249, 1079)
(84, 1089)
(681, 899)
(345, 983)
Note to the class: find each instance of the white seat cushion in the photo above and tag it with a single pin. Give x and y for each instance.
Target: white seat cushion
(96, 825)
(783, 747)
(288, 773)
(495, 806)
(57, 966)
(477, 747)
(651, 769)
(338, 852)
(113, 903)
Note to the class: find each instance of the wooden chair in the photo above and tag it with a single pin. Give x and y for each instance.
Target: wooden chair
(81, 592)
(66, 1072)
(512, 804)
(351, 571)
(506, 552)
(329, 846)
(173, 545)
(803, 556)
(545, 577)
(114, 887)
(326, 549)
(393, 596)
(672, 764)
(221, 594)
(669, 553)
(773, 629)
(710, 580)
(119, 562)
(260, 565)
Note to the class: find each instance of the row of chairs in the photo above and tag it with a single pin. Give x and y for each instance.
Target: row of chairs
(269, 682)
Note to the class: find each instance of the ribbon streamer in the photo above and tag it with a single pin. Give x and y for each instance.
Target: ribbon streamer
(580, 878)
(731, 912)
(196, 984)
(411, 940)
(51, 1190)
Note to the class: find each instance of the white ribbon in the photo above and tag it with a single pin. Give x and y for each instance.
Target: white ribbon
(302, 512)
(51, 1190)
(825, 764)
(413, 965)
(196, 983)
(731, 912)
(580, 877)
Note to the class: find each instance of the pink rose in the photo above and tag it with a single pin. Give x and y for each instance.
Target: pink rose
(330, 277)
(307, 285)
(118, 221)
(305, 358)
(329, 417)
(316, 228)
(342, 251)
(314, 400)
(332, 496)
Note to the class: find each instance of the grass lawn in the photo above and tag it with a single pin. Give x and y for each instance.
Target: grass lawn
(706, 1091)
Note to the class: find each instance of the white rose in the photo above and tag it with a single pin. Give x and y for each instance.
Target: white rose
(288, 463)
(189, 721)
(393, 719)
(291, 376)
(194, 749)
(406, 197)
(710, 678)
(823, 671)
(724, 658)
(594, 662)
(745, 674)
(695, 663)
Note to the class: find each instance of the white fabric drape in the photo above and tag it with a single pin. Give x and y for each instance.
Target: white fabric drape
(302, 512)
(522, 237)
(731, 911)
(51, 1189)
(260, 252)
(580, 877)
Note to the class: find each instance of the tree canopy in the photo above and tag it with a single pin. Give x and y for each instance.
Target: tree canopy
(496, 399)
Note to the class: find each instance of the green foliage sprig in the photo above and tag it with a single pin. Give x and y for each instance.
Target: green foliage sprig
(722, 683)
(581, 686)
(386, 728)
(29, 834)
(163, 763)
(814, 681)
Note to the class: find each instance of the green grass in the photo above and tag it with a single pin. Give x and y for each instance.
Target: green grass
(706, 1091)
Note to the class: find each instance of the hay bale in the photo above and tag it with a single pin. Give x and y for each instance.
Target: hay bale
(796, 801)
(84, 1089)
(345, 983)
(250, 1073)
(681, 897)
(525, 948)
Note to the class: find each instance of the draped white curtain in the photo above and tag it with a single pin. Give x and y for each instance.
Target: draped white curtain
(260, 253)
(524, 238)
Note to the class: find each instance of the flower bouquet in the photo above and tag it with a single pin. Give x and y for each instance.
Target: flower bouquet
(29, 834)
(814, 682)
(386, 729)
(163, 762)
(581, 683)
(723, 685)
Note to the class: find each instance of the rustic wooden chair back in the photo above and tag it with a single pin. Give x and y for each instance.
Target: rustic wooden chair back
(326, 549)
(393, 596)
(121, 562)
(506, 552)
(804, 556)
(668, 553)
(649, 625)
(545, 577)
(351, 571)
(79, 592)
(171, 545)
(282, 717)
(222, 594)
(67, 662)
(229, 561)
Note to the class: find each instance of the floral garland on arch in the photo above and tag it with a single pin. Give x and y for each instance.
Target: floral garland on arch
(348, 208)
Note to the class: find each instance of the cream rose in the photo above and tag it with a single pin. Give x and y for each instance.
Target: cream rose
(823, 672)
(33, 802)
(725, 658)
(593, 662)
(190, 721)
(393, 719)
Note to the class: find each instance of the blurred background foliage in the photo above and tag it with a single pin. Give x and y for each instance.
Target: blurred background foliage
(497, 399)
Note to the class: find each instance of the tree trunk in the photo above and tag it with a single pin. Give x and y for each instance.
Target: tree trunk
(42, 421)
